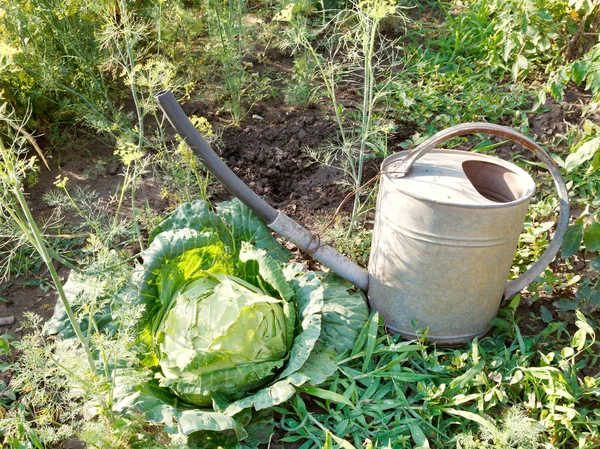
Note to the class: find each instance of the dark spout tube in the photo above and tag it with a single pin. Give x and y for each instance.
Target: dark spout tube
(211, 161)
(277, 221)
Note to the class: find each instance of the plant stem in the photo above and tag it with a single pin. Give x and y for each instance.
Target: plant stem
(370, 27)
(33, 233)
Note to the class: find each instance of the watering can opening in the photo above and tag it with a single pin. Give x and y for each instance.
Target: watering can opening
(495, 182)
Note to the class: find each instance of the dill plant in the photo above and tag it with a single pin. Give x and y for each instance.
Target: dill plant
(188, 177)
(14, 207)
(54, 62)
(228, 41)
(516, 431)
(358, 55)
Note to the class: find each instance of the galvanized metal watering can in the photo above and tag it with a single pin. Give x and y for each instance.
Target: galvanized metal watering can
(446, 229)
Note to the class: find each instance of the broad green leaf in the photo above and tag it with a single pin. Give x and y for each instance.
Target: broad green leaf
(327, 395)
(257, 267)
(582, 153)
(308, 298)
(158, 407)
(579, 339)
(320, 366)
(579, 71)
(270, 396)
(572, 240)
(521, 63)
(196, 215)
(247, 227)
(417, 434)
(595, 264)
(566, 304)
(591, 236)
(546, 314)
(556, 90)
(81, 290)
(345, 312)
(516, 377)
(314, 371)
(472, 417)
(464, 379)
(582, 323)
(567, 352)
(191, 421)
(234, 382)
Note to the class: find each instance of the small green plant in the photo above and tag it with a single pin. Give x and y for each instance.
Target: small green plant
(229, 38)
(300, 88)
(353, 45)
(14, 207)
(535, 238)
(582, 166)
(516, 431)
(187, 178)
(54, 62)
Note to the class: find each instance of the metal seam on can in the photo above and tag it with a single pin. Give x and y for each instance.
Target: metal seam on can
(445, 241)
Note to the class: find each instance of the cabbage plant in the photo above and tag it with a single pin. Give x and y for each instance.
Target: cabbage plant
(230, 328)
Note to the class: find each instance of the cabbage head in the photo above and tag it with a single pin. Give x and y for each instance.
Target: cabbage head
(222, 334)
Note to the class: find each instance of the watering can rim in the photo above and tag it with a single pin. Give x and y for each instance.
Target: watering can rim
(469, 156)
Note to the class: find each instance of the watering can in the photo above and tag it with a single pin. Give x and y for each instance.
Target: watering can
(446, 228)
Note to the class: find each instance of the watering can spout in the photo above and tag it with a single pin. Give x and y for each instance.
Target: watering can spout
(276, 220)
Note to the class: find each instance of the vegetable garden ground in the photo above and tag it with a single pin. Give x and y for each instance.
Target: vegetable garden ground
(273, 87)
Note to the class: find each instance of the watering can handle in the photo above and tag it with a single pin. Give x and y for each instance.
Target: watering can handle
(530, 275)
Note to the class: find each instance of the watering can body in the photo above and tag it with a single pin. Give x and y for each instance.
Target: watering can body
(446, 230)
(443, 242)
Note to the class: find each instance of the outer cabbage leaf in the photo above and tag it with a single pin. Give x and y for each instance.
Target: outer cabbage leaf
(247, 227)
(196, 215)
(345, 309)
(159, 408)
(234, 223)
(345, 312)
(257, 267)
(81, 290)
(317, 369)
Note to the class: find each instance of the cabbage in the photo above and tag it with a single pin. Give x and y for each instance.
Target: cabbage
(230, 327)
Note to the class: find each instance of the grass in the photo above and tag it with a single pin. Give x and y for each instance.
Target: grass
(410, 394)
